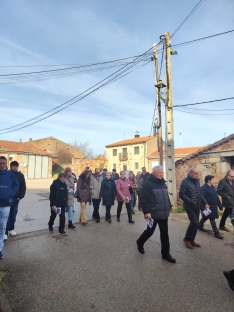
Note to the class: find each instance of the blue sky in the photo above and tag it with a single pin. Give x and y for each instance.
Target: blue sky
(79, 32)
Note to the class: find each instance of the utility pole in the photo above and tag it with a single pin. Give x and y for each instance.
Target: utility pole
(170, 161)
(158, 101)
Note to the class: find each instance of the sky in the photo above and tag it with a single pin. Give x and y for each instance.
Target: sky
(83, 32)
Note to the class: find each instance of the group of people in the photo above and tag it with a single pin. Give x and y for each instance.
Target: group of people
(150, 189)
(95, 188)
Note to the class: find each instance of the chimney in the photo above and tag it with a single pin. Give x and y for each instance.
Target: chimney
(137, 135)
(20, 140)
(30, 139)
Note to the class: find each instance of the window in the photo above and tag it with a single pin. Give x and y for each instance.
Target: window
(137, 165)
(125, 152)
(10, 158)
(115, 152)
(114, 166)
(136, 150)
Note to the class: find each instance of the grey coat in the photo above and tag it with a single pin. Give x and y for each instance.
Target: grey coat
(70, 182)
(96, 182)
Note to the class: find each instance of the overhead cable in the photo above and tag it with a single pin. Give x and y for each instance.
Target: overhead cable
(226, 99)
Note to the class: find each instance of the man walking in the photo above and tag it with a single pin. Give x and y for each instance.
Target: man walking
(8, 188)
(10, 228)
(191, 195)
(114, 175)
(156, 207)
(95, 186)
(226, 190)
(139, 182)
(145, 174)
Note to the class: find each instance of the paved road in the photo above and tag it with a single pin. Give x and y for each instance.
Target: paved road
(98, 268)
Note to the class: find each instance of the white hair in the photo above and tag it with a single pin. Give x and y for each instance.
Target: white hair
(155, 168)
(138, 172)
(192, 169)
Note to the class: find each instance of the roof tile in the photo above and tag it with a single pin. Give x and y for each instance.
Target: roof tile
(22, 147)
(132, 141)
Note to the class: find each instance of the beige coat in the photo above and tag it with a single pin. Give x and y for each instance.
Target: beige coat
(96, 183)
(70, 182)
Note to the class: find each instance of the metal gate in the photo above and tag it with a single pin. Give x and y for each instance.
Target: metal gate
(38, 167)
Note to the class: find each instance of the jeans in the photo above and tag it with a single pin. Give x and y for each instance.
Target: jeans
(61, 218)
(108, 215)
(129, 210)
(12, 216)
(70, 213)
(4, 213)
(227, 212)
(191, 232)
(212, 222)
(96, 203)
(164, 237)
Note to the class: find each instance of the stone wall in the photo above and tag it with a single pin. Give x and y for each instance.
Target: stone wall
(79, 164)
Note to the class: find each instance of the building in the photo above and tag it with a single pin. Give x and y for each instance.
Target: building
(131, 152)
(79, 164)
(34, 163)
(215, 159)
(180, 152)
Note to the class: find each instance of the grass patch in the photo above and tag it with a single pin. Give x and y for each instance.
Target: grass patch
(5, 289)
(180, 210)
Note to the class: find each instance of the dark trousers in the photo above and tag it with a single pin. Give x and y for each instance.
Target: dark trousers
(139, 199)
(12, 216)
(119, 209)
(163, 227)
(212, 222)
(227, 212)
(61, 218)
(191, 232)
(108, 215)
(232, 275)
(96, 203)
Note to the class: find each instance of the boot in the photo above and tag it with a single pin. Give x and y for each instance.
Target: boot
(71, 226)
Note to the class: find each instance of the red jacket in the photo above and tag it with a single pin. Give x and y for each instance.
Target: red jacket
(122, 189)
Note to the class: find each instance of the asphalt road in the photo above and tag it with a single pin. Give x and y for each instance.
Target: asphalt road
(98, 268)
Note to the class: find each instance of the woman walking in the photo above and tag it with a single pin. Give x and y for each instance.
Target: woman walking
(83, 193)
(123, 195)
(132, 189)
(69, 180)
(107, 194)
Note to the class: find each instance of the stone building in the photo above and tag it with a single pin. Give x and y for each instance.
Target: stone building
(79, 164)
(131, 152)
(215, 159)
(34, 163)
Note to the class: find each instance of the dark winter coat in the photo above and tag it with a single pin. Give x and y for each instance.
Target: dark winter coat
(139, 182)
(191, 195)
(211, 196)
(115, 176)
(83, 190)
(108, 192)
(226, 190)
(8, 187)
(145, 176)
(22, 185)
(58, 194)
(155, 199)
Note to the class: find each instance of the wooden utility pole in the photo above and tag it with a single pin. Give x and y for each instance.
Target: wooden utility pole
(170, 156)
(156, 78)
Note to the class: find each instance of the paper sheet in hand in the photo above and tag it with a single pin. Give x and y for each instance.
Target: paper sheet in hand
(207, 212)
(150, 222)
(58, 210)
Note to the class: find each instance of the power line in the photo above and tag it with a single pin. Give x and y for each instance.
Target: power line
(210, 110)
(188, 16)
(203, 38)
(226, 99)
(202, 114)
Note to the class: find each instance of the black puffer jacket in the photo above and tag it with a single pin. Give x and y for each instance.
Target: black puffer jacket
(108, 192)
(155, 199)
(190, 193)
(226, 190)
(58, 194)
(212, 198)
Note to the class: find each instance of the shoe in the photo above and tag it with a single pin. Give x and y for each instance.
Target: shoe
(187, 244)
(133, 212)
(71, 225)
(131, 221)
(109, 220)
(97, 220)
(223, 228)
(218, 235)
(195, 244)
(140, 248)
(201, 228)
(73, 211)
(63, 233)
(226, 273)
(1, 255)
(84, 223)
(51, 229)
(80, 219)
(169, 258)
(5, 237)
(12, 232)
(118, 219)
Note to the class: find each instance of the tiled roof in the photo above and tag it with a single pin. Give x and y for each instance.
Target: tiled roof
(9, 146)
(132, 141)
(182, 151)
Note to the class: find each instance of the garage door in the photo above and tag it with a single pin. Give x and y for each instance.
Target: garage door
(38, 167)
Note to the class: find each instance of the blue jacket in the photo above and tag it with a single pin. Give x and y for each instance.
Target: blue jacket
(8, 187)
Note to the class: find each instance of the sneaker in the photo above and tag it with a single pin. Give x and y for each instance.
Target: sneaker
(5, 237)
(51, 229)
(12, 232)
(1, 255)
(63, 233)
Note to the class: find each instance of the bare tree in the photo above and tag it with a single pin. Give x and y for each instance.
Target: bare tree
(84, 146)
